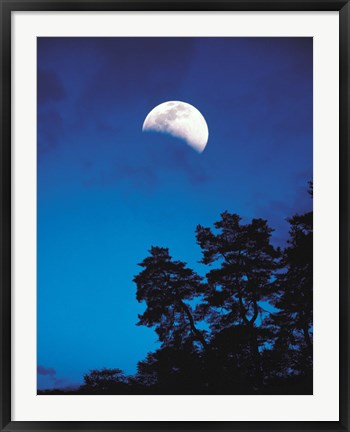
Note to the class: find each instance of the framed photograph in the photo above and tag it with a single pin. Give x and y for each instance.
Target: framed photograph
(174, 220)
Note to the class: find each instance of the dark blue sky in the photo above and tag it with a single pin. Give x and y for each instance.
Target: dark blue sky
(107, 191)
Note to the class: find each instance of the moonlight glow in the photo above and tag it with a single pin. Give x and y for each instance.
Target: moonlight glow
(180, 120)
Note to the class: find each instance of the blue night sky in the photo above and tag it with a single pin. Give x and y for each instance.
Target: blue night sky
(107, 191)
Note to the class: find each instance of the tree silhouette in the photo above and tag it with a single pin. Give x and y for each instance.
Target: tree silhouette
(172, 370)
(255, 303)
(167, 286)
(245, 264)
(104, 381)
(294, 299)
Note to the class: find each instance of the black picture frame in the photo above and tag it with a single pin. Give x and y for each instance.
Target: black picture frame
(6, 8)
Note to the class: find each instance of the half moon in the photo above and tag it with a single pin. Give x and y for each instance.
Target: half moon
(180, 120)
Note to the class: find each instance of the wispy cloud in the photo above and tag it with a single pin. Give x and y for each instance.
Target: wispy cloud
(50, 87)
(42, 370)
(51, 373)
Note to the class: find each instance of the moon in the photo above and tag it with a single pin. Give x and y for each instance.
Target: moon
(181, 120)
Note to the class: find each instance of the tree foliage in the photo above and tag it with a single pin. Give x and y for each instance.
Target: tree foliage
(104, 380)
(167, 286)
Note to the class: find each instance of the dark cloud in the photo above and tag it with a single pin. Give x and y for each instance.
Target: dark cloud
(51, 373)
(277, 212)
(155, 160)
(134, 69)
(42, 370)
(50, 128)
(50, 88)
(183, 158)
